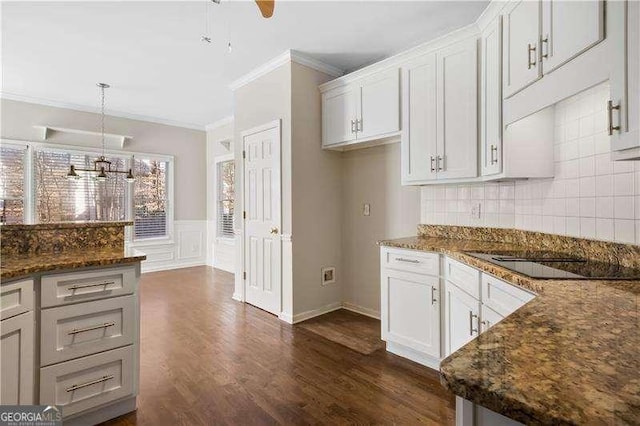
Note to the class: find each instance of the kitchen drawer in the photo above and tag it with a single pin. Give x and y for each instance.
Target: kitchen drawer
(502, 297)
(418, 262)
(88, 382)
(463, 276)
(16, 297)
(86, 328)
(61, 289)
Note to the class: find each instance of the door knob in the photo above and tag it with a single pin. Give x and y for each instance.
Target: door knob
(274, 230)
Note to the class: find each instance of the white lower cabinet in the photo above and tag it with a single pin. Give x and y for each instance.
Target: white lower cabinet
(432, 305)
(461, 318)
(17, 359)
(410, 311)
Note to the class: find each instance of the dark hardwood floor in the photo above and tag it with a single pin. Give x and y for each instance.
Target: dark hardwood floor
(206, 359)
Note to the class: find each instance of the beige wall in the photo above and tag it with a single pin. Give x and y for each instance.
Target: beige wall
(317, 194)
(372, 175)
(186, 145)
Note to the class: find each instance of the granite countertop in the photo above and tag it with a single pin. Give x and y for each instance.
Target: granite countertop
(65, 225)
(17, 266)
(570, 356)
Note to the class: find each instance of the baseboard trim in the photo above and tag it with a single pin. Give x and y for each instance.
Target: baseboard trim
(237, 297)
(170, 266)
(303, 316)
(288, 318)
(361, 310)
(413, 355)
(104, 413)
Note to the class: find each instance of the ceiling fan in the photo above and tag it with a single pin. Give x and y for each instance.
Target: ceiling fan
(266, 7)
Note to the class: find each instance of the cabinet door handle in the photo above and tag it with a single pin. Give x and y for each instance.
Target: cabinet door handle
(494, 160)
(610, 108)
(92, 382)
(433, 169)
(402, 259)
(353, 126)
(530, 49)
(359, 125)
(544, 53)
(471, 329)
(79, 286)
(93, 327)
(434, 300)
(440, 163)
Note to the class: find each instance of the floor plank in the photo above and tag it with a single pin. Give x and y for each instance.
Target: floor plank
(207, 359)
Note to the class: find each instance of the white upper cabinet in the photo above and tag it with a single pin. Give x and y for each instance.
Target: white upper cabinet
(623, 23)
(491, 98)
(339, 112)
(362, 111)
(568, 29)
(521, 34)
(457, 125)
(439, 110)
(419, 138)
(379, 107)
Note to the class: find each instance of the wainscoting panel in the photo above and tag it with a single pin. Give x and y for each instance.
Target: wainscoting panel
(186, 249)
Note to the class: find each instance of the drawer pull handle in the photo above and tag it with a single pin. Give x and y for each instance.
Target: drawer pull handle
(433, 295)
(471, 329)
(79, 286)
(92, 382)
(610, 108)
(93, 327)
(402, 259)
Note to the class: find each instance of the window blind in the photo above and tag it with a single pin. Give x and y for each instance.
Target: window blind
(12, 161)
(150, 198)
(59, 199)
(226, 198)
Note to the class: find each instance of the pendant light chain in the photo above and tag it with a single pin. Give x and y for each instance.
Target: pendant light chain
(102, 87)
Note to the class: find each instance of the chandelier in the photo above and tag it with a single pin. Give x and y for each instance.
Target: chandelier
(101, 166)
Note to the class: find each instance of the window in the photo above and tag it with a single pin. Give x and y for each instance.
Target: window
(58, 199)
(226, 198)
(12, 208)
(150, 198)
(34, 188)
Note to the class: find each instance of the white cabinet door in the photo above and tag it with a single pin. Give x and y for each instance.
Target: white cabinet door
(410, 311)
(491, 99)
(339, 113)
(457, 109)
(379, 105)
(623, 19)
(17, 359)
(568, 29)
(521, 33)
(461, 313)
(419, 137)
(488, 318)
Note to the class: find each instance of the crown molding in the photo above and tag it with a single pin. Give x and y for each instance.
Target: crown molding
(84, 108)
(401, 58)
(219, 123)
(287, 56)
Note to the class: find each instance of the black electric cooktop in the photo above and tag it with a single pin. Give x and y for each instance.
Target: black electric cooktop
(550, 265)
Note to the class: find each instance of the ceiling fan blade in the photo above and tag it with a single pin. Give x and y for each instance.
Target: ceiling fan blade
(266, 7)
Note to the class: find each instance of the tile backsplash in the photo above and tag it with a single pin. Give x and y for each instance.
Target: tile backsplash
(590, 195)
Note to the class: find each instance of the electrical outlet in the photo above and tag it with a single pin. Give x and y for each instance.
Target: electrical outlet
(366, 209)
(476, 210)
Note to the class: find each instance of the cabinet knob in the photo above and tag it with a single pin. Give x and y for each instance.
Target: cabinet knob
(274, 230)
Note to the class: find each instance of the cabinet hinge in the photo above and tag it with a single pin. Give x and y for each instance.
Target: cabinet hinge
(244, 275)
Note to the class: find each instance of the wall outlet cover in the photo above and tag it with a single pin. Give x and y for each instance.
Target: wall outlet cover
(366, 209)
(328, 275)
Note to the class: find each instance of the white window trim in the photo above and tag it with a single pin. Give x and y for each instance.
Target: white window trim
(29, 192)
(217, 160)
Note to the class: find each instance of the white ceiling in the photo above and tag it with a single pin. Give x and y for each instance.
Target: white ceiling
(152, 55)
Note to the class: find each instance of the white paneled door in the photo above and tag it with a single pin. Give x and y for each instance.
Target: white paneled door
(262, 211)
